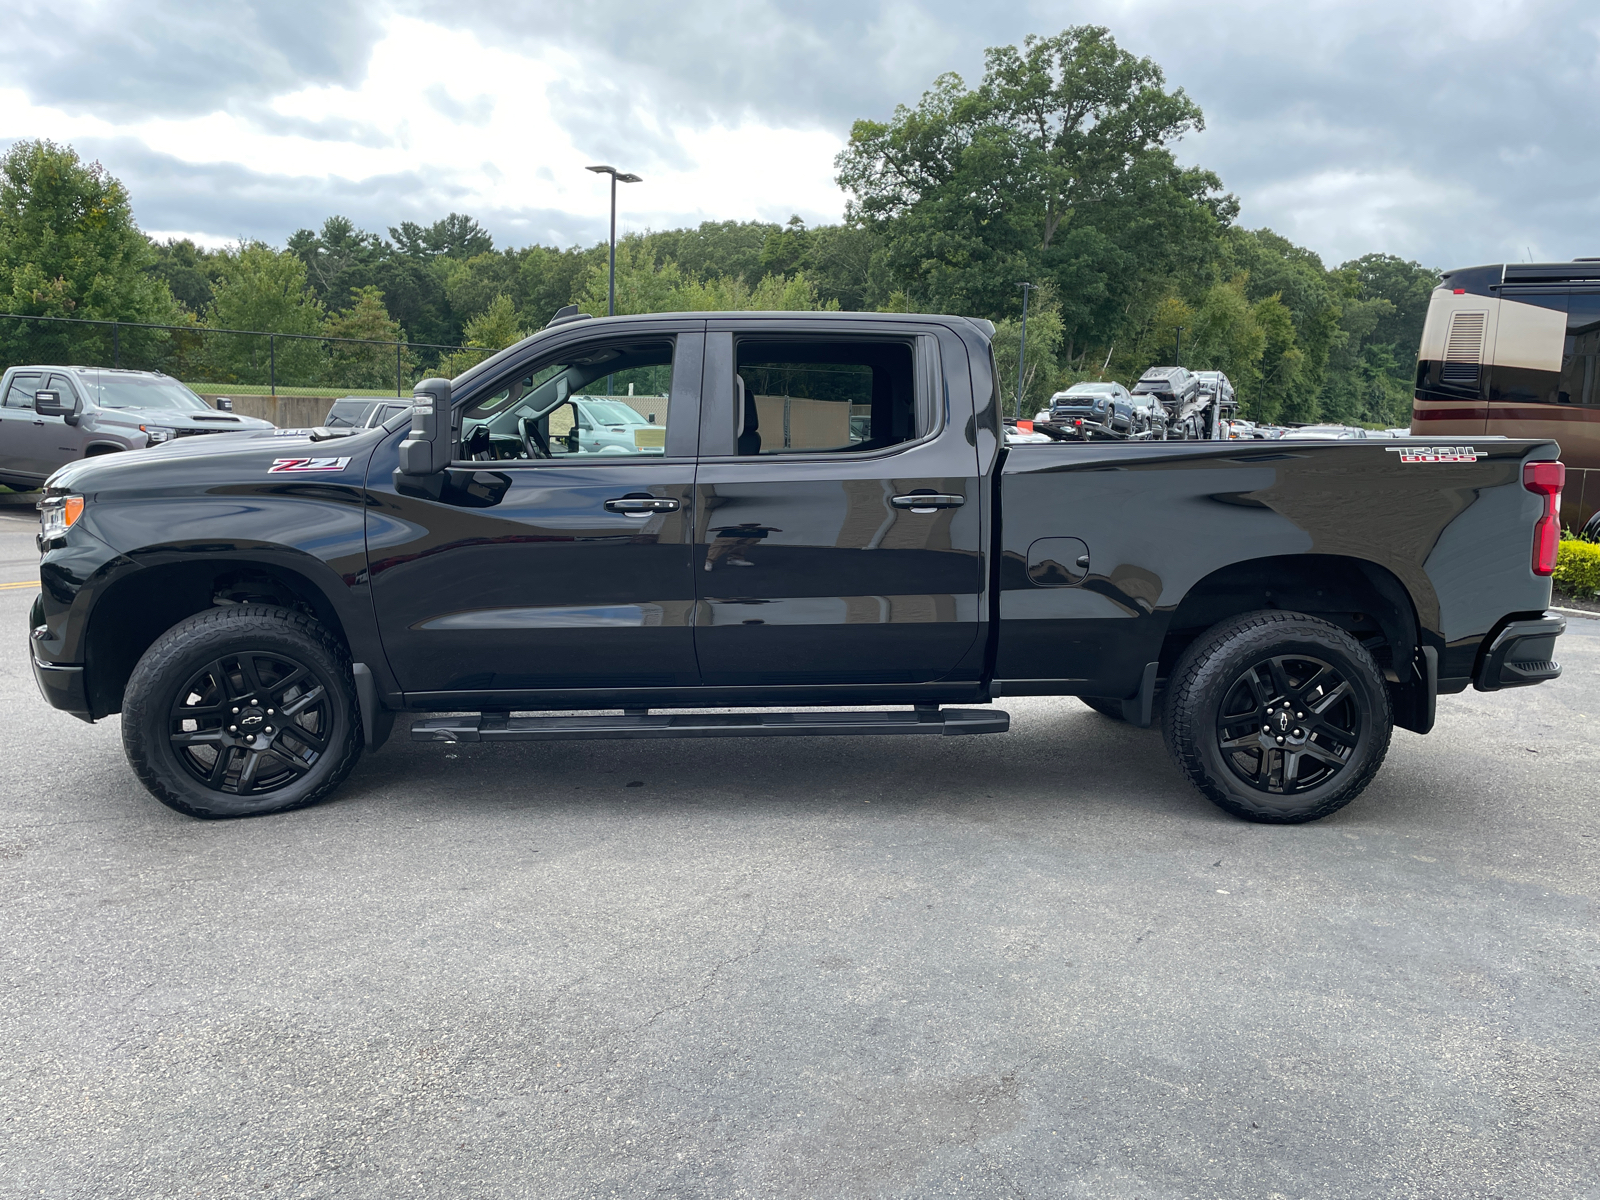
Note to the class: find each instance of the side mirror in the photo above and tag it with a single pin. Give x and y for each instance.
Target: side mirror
(48, 404)
(430, 445)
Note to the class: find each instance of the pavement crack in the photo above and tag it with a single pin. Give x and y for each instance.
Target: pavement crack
(711, 979)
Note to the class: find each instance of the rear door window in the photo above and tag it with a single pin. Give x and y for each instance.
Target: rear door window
(824, 397)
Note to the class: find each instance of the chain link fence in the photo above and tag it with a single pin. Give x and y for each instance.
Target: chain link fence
(284, 377)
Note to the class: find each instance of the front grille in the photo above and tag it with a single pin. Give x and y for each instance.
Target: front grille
(192, 432)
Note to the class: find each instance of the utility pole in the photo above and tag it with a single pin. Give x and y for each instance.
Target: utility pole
(1178, 354)
(616, 178)
(1022, 345)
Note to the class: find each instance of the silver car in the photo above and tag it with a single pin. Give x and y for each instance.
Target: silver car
(50, 416)
(1325, 433)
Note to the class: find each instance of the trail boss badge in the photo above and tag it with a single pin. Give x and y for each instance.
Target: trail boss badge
(293, 466)
(1425, 454)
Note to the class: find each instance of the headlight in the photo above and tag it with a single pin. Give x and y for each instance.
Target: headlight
(57, 514)
(157, 433)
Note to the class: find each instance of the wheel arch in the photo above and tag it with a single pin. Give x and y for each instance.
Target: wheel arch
(135, 609)
(1362, 597)
(96, 449)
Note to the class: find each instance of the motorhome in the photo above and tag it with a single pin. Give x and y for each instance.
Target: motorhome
(1511, 349)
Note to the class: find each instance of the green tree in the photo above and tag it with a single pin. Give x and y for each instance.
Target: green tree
(69, 248)
(645, 285)
(456, 236)
(340, 259)
(359, 365)
(471, 284)
(1041, 368)
(189, 271)
(1284, 392)
(1057, 167)
(715, 249)
(264, 289)
(496, 327)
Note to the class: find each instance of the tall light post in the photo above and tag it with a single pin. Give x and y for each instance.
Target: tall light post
(1022, 344)
(616, 178)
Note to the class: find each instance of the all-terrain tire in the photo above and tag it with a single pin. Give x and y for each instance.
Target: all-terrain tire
(274, 677)
(1241, 680)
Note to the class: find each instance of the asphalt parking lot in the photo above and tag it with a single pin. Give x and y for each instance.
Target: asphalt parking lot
(1030, 965)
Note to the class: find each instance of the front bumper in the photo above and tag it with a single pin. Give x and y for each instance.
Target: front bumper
(63, 688)
(1521, 654)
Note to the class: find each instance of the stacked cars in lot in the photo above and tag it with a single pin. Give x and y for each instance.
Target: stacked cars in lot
(1108, 407)
(53, 415)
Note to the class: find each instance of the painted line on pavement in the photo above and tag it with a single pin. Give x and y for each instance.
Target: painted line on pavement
(24, 583)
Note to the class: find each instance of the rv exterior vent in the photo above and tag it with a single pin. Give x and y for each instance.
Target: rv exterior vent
(1463, 350)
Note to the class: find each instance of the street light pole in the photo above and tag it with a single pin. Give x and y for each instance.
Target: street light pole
(1022, 344)
(1177, 354)
(616, 178)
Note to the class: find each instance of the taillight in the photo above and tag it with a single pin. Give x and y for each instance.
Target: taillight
(1545, 479)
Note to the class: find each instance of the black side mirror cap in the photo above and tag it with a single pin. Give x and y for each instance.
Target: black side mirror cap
(48, 404)
(428, 448)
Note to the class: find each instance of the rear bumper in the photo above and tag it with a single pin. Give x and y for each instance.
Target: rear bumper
(1521, 654)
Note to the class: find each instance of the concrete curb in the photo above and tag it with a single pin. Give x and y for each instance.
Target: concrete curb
(1577, 612)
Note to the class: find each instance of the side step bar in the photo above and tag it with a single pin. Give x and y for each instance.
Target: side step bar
(498, 727)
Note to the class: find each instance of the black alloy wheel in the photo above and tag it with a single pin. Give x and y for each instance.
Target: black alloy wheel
(242, 710)
(1277, 716)
(251, 723)
(1289, 723)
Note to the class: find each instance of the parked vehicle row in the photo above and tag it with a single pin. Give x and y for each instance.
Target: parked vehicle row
(53, 415)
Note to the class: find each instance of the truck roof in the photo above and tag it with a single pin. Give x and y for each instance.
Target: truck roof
(984, 329)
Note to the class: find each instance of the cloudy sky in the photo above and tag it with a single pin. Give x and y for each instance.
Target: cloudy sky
(1449, 131)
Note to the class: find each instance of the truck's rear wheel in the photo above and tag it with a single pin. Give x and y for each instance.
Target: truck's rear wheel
(242, 710)
(1278, 717)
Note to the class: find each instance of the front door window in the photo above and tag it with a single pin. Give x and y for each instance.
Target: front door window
(596, 401)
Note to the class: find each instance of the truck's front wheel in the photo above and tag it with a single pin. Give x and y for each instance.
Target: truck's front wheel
(1278, 717)
(242, 710)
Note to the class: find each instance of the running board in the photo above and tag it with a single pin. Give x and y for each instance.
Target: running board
(497, 727)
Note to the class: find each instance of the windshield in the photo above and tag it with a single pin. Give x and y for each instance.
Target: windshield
(141, 391)
(611, 412)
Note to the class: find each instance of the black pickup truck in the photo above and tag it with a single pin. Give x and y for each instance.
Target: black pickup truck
(821, 512)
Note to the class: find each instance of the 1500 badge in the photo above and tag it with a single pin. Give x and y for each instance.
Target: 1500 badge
(1425, 454)
(290, 466)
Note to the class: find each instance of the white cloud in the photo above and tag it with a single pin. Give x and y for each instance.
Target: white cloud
(492, 138)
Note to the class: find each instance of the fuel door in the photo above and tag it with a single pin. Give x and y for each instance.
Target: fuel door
(1057, 562)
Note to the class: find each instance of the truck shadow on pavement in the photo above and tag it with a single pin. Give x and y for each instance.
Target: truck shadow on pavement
(1058, 758)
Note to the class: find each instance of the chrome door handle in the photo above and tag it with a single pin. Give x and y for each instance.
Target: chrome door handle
(927, 502)
(641, 506)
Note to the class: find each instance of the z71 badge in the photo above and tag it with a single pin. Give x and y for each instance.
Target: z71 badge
(293, 466)
(1424, 454)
